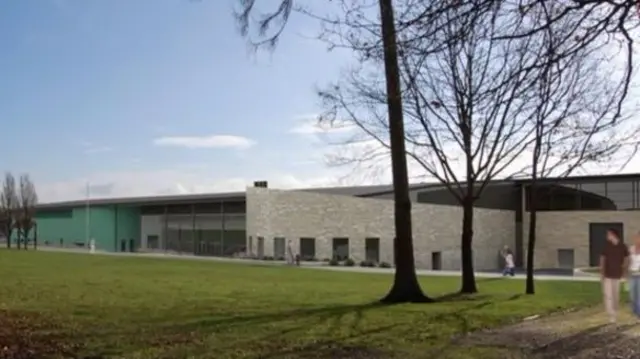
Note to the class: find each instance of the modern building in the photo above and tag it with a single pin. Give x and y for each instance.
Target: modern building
(357, 222)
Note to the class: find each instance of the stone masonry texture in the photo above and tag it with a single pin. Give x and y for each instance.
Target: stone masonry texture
(436, 228)
(557, 230)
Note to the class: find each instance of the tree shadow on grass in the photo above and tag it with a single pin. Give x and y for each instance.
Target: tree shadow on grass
(333, 311)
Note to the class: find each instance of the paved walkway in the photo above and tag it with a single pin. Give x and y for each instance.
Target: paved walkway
(313, 265)
(585, 334)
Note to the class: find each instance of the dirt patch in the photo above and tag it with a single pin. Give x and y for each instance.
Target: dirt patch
(324, 350)
(585, 334)
(26, 335)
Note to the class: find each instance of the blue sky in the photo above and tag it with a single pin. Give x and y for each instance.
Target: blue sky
(130, 95)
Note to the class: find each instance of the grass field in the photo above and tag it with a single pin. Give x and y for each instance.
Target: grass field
(85, 306)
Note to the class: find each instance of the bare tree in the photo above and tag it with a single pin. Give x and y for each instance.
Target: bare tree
(406, 287)
(28, 199)
(8, 205)
(466, 112)
(578, 117)
(469, 71)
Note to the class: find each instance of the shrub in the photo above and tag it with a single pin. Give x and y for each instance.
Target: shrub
(367, 264)
(384, 265)
(334, 262)
(349, 262)
(268, 258)
(280, 258)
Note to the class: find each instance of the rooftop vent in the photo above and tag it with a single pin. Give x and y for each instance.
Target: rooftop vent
(260, 184)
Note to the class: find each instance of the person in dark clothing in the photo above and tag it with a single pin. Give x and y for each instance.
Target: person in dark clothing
(614, 262)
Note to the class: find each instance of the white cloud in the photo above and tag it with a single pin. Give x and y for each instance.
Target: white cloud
(310, 125)
(94, 148)
(212, 141)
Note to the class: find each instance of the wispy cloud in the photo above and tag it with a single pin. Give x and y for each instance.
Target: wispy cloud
(93, 148)
(212, 141)
(310, 125)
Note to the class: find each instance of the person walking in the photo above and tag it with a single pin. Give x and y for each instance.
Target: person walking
(290, 258)
(509, 263)
(614, 263)
(633, 281)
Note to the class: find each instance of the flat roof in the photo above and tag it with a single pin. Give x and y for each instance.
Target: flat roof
(356, 191)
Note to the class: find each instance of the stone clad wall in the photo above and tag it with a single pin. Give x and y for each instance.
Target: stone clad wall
(295, 214)
(570, 230)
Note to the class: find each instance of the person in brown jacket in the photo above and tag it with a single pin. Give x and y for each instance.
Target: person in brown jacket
(614, 262)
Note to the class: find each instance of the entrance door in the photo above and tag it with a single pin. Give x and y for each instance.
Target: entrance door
(132, 245)
(123, 245)
(436, 260)
(597, 238)
(260, 247)
(278, 248)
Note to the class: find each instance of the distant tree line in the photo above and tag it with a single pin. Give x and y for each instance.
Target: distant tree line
(17, 210)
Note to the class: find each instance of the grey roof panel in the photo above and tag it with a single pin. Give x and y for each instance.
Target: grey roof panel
(357, 191)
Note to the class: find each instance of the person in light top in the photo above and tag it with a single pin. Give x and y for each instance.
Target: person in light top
(509, 265)
(634, 275)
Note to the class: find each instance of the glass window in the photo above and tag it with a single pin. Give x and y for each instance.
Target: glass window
(564, 197)
(372, 249)
(621, 194)
(307, 248)
(153, 241)
(279, 248)
(341, 248)
(593, 196)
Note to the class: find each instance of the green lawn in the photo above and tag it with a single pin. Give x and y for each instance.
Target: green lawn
(102, 306)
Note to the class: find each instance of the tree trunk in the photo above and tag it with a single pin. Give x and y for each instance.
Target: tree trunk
(18, 239)
(531, 246)
(8, 232)
(468, 275)
(406, 287)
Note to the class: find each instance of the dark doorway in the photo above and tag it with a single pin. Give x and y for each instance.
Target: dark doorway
(278, 248)
(566, 258)
(372, 249)
(123, 245)
(308, 248)
(341, 248)
(132, 245)
(260, 247)
(436, 260)
(597, 238)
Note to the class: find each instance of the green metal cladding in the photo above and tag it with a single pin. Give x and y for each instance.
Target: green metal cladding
(107, 225)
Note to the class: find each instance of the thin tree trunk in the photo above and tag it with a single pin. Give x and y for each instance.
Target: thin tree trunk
(8, 238)
(468, 275)
(406, 287)
(531, 246)
(18, 239)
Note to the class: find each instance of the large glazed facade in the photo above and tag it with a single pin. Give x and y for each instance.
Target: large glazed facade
(357, 222)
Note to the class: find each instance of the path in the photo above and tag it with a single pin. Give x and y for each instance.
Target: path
(313, 265)
(585, 334)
